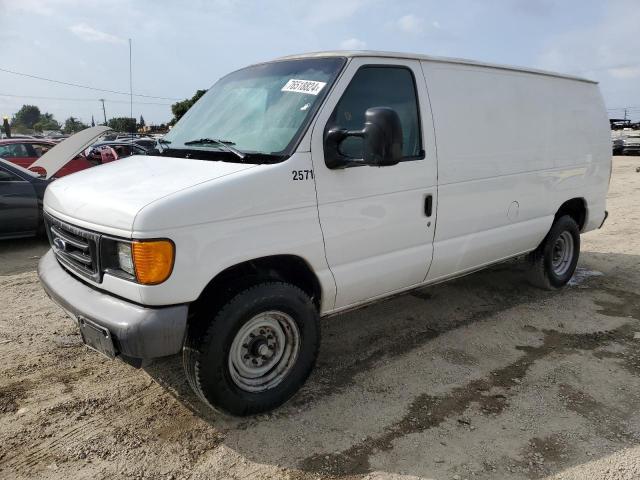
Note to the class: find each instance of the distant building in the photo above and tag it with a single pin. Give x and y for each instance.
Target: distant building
(150, 129)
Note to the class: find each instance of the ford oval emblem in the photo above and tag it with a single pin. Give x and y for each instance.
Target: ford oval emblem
(59, 243)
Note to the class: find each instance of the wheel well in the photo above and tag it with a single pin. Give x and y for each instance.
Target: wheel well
(229, 282)
(576, 209)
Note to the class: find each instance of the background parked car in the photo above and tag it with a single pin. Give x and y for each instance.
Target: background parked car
(21, 194)
(631, 144)
(104, 152)
(24, 152)
(145, 142)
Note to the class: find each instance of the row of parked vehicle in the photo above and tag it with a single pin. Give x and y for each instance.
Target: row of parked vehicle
(23, 181)
(25, 151)
(625, 142)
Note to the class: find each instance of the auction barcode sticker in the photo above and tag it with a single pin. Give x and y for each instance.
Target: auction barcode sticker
(304, 86)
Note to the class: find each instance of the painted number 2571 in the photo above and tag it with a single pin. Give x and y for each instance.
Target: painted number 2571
(302, 174)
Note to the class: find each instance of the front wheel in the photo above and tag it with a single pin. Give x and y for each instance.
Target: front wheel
(554, 261)
(256, 351)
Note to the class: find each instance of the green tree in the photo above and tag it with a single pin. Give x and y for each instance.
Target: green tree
(141, 124)
(122, 124)
(26, 117)
(73, 125)
(180, 108)
(46, 122)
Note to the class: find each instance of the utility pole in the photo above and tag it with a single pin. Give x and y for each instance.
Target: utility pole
(103, 110)
(131, 92)
(625, 113)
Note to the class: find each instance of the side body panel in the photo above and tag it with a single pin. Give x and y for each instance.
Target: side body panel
(377, 236)
(18, 208)
(512, 147)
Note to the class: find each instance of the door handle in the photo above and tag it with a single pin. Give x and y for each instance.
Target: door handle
(428, 205)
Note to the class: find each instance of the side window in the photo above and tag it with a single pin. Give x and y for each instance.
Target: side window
(392, 87)
(8, 177)
(40, 149)
(13, 150)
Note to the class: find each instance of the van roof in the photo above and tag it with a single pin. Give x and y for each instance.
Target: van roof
(416, 56)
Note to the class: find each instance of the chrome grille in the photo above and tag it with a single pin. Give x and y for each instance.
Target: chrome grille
(76, 248)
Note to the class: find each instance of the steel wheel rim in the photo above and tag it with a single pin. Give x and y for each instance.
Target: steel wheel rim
(562, 253)
(264, 351)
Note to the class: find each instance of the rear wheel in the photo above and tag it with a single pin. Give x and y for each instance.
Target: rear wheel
(554, 261)
(256, 351)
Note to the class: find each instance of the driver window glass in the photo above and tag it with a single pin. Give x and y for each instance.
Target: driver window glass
(392, 87)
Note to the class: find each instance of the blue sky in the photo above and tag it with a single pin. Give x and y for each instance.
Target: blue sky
(181, 46)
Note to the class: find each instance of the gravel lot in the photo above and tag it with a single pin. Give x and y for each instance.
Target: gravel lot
(482, 378)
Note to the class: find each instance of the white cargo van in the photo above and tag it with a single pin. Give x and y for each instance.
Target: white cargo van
(313, 184)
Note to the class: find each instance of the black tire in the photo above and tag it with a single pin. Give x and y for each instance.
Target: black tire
(542, 273)
(207, 348)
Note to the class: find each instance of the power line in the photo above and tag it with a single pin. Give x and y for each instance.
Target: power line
(67, 99)
(83, 86)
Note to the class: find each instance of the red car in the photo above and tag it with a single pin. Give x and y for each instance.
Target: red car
(24, 152)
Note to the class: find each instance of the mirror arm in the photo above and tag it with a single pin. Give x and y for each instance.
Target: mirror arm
(333, 158)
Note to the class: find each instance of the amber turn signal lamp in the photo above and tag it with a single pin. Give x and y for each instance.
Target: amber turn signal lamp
(153, 260)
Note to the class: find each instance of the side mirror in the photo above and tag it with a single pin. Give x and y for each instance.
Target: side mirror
(382, 141)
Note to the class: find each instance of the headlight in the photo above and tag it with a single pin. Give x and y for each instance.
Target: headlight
(148, 262)
(125, 262)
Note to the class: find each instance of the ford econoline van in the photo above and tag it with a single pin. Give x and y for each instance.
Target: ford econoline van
(313, 184)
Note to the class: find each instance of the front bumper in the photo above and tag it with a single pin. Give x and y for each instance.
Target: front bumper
(138, 332)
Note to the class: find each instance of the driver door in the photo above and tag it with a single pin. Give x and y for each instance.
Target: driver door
(18, 205)
(378, 222)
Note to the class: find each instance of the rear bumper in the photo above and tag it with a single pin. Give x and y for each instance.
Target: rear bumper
(138, 332)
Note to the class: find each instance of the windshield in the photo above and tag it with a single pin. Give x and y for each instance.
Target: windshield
(262, 109)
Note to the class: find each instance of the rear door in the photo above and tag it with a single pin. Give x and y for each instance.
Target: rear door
(18, 205)
(377, 222)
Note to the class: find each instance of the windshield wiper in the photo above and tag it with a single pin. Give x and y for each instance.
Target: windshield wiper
(160, 142)
(224, 144)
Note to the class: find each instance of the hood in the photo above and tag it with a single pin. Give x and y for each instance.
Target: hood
(58, 156)
(111, 195)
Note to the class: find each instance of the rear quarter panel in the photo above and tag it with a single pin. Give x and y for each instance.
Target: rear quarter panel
(512, 147)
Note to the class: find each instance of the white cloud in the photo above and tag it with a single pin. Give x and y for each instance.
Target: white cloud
(330, 11)
(38, 7)
(625, 73)
(411, 24)
(41, 7)
(90, 34)
(353, 44)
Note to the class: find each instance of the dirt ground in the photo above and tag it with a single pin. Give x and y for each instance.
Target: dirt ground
(485, 377)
